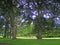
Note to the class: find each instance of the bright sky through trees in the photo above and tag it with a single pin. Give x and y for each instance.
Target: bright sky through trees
(57, 20)
(31, 11)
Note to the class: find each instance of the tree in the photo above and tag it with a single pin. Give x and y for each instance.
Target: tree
(9, 7)
(40, 12)
(44, 8)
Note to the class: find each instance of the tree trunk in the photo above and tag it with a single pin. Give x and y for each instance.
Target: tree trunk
(4, 34)
(39, 35)
(13, 27)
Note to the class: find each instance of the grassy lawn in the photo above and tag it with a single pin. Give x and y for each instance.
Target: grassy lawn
(31, 41)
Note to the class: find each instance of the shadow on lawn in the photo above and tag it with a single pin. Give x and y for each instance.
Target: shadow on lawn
(4, 44)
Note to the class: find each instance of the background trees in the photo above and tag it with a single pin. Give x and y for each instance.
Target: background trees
(42, 14)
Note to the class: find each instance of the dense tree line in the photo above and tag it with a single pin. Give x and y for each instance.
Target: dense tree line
(42, 13)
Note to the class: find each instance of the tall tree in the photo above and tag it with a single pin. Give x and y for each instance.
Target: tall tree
(45, 7)
(8, 6)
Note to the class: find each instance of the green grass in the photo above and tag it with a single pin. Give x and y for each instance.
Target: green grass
(31, 41)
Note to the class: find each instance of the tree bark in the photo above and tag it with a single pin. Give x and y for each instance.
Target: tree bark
(39, 35)
(13, 27)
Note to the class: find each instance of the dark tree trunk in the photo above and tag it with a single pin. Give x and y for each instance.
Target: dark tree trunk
(39, 35)
(5, 34)
(13, 27)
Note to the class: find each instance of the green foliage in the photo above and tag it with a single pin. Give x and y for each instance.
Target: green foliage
(25, 30)
(10, 11)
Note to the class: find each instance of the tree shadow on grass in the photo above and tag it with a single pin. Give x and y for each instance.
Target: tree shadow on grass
(4, 44)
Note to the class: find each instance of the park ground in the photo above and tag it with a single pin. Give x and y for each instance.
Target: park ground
(27, 41)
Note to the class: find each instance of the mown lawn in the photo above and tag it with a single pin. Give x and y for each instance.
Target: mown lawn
(31, 41)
